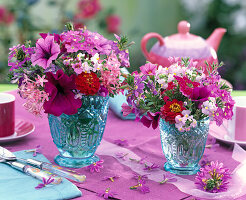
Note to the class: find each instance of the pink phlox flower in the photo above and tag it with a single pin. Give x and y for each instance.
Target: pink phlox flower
(213, 178)
(148, 69)
(168, 177)
(152, 167)
(141, 187)
(111, 177)
(45, 183)
(41, 80)
(96, 166)
(121, 155)
(107, 194)
(121, 142)
(218, 116)
(46, 51)
(126, 109)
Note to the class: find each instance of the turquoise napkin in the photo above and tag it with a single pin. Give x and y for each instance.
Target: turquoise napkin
(116, 102)
(15, 185)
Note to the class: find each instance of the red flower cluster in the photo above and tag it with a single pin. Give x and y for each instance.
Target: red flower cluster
(186, 85)
(171, 109)
(87, 83)
(113, 23)
(88, 8)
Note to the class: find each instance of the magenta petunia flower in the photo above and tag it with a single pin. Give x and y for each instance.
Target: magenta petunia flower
(95, 167)
(126, 110)
(148, 69)
(45, 52)
(151, 118)
(59, 87)
(213, 178)
(200, 94)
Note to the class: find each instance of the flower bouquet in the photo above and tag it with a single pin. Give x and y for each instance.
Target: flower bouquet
(71, 76)
(182, 100)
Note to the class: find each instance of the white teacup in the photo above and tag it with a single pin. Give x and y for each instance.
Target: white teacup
(236, 127)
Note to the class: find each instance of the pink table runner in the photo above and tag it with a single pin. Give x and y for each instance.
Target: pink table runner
(142, 141)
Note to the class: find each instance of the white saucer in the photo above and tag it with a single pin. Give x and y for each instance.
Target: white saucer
(221, 134)
(22, 129)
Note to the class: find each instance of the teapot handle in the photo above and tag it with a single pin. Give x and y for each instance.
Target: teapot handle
(145, 40)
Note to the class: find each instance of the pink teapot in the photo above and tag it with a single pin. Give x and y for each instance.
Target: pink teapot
(183, 44)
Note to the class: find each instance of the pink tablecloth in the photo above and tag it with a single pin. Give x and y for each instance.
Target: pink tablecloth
(142, 141)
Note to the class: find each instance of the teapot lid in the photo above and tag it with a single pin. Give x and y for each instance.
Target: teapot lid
(183, 44)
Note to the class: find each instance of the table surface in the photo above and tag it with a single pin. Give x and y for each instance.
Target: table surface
(142, 141)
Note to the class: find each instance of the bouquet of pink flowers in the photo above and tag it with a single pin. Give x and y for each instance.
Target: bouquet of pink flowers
(180, 94)
(62, 68)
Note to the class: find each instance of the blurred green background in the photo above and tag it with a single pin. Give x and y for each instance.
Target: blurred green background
(22, 20)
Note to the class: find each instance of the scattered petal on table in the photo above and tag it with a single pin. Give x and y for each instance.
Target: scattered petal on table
(95, 167)
(204, 161)
(45, 183)
(35, 151)
(141, 161)
(106, 194)
(141, 187)
(211, 144)
(122, 143)
(111, 178)
(168, 177)
(140, 177)
(152, 167)
(121, 155)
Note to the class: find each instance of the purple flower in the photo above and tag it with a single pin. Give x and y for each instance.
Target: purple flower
(152, 167)
(106, 194)
(45, 183)
(213, 178)
(141, 187)
(168, 177)
(121, 155)
(46, 51)
(59, 87)
(140, 177)
(122, 143)
(95, 167)
(151, 118)
(35, 151)
(111, 178)
(139, 85)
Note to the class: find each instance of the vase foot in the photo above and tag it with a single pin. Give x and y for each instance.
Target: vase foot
(181, 171)
(75, 162)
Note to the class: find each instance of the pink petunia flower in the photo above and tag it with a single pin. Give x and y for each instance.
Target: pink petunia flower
(126, 110)
(46, 51)
(95, 167)
(148, 69)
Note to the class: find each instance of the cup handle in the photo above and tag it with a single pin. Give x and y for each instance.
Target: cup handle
(144, 42)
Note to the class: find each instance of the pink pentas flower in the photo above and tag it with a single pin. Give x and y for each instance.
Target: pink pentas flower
(45, 183)
(96, 166)
(59, 87)
(126, 109)
(121, 142)
(45, 52)
(106, 194)
(41, 80)
(148, 69)
(213, 178)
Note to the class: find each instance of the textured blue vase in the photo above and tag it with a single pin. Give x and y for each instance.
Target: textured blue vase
(78, 136)
(183, 150)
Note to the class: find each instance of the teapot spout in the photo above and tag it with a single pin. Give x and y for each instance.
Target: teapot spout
(215, 38)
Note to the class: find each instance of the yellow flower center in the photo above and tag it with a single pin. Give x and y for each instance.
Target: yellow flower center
(175, 107)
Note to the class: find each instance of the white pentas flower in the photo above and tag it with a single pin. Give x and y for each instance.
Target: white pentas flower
(209, 106)
(185, 122)
(95, 58)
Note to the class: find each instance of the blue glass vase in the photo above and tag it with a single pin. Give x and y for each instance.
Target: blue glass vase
(78, 136)
(183, 150)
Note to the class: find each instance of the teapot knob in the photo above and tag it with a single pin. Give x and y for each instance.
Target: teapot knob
(183, 27)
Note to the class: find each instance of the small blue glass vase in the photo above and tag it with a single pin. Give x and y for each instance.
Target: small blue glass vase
(78, 136)
(183, 150)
